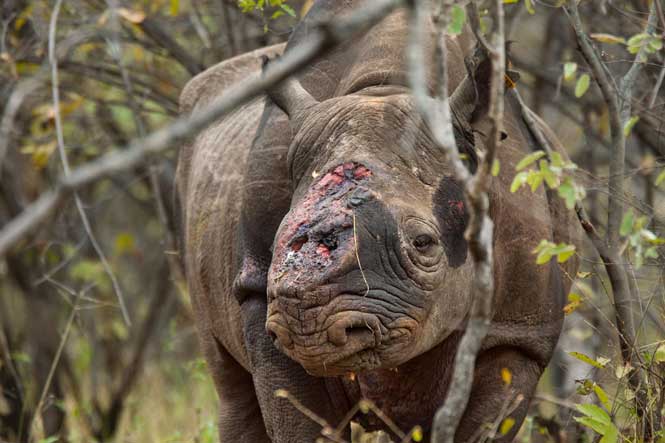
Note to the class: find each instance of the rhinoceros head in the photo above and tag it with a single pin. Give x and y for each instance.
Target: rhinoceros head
(370, 266)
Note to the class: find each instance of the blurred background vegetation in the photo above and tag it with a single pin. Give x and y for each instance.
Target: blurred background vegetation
(121, 67)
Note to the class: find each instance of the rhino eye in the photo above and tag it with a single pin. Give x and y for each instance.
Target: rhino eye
(423, 242)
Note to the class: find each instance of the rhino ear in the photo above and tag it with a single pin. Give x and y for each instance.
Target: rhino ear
(471, 98)
(290, 97)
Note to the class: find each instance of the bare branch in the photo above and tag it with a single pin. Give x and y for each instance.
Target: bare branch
(479, 233)
(324, 39)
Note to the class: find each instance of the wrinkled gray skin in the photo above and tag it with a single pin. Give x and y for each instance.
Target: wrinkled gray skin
(324, 238)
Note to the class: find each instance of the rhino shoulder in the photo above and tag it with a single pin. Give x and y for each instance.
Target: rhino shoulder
(209, 84)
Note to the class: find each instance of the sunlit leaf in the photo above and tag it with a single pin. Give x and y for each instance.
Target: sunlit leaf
(507, 425)
(506, 376)
(417, 434)
(518, 181)
(574, 302)
(529, 6)
(174, 7)
(496, 167)
(630, 124)
(569, 70)
(659, 355)
(124, 243)
(660, 179)
(132, 16)
(529, 159)
(608, 38)
(627, 223)
(600, 364)
(602, 396)
(457, 20)
(582, 85)
(288, 9)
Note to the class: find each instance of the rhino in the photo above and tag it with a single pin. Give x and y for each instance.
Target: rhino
(322, 233)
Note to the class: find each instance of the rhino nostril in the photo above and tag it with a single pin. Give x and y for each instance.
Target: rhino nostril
(279, 334)
(357, 328)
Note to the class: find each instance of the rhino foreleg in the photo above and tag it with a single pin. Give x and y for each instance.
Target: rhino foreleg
(272, 370)
(495, 397)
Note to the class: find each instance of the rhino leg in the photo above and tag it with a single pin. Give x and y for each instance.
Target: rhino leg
(490, 396)
(240, 418)
(272, 370)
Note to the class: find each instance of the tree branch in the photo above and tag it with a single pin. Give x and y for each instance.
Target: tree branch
(479, 233)
(325, 38)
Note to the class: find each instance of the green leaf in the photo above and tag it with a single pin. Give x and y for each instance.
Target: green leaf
(550, 177)
(630, 124)
(651, 252)
(457, 20)
(661, 178)
(582, 85)
(627, 223)
(602, 396)
(659, 356)
(518, 181)
(567, 193)
(565, 256)
(637, 41)
(595, 412)
(288, 9)
(529, 159)
(529, 7)
(600, 364)
(599, 428)
(496, 167)
(543, 257)
(569, 70)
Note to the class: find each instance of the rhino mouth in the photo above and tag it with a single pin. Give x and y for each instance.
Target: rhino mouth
(347, 341)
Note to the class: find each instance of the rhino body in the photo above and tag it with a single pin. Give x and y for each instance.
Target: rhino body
(323, 243)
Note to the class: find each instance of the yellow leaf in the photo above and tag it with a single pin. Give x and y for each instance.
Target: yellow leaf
(135, 16)
(40, 154)
(124, 243)
(507, 425)
(506, 376)
(608, 38)
(599, 363)
(175, 7)
(417, 434)
(496, 167)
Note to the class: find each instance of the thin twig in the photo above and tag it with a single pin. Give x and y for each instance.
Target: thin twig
(65, 163)
(36, 419)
